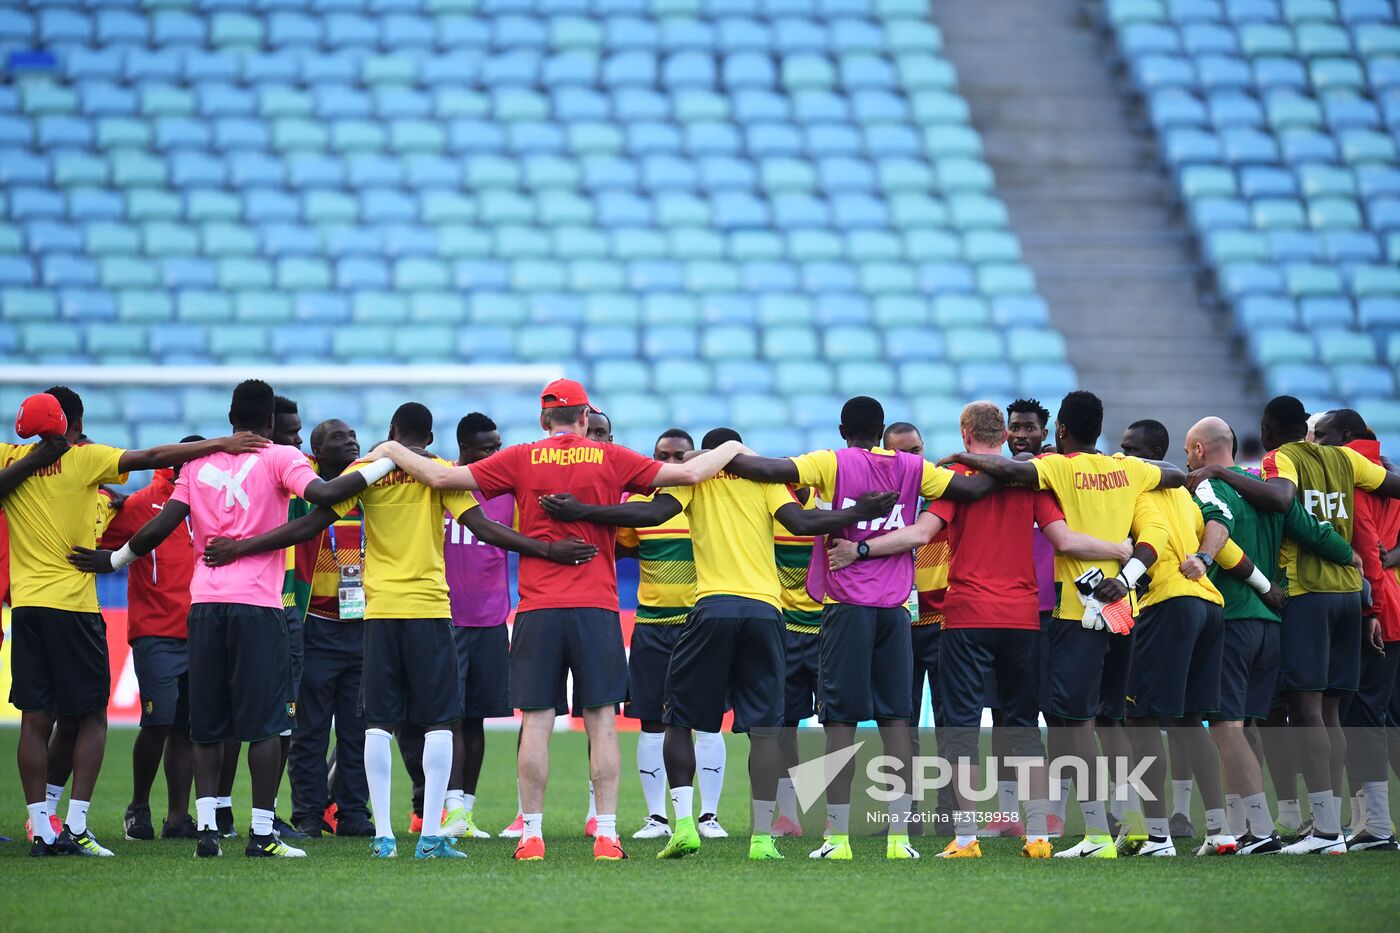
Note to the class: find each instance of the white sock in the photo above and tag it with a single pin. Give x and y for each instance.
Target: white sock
(53, 793)
(534, 826)
(1215, 822)
(1290, 814)
(1337, 809)
(379, 772)
(39, 821)
(1132, 803)
(965, 827)
(1355, 810)
(838, 815)
(683, 802)
(1326, 821)
(1181, 797)
(763, 817)
(1037, 820)
(1057, 806)
(261, 822)
(710, 758)
(651, 768)
(787, 799)
(437, 771)
(1115, 806)
(205, 809)
(607, 826)
(1376, 796)
(1159, 827)
(592, 802)
(519, 806)
(468, 802)
(223, 803)
(1006, 797)
(454, 800)
(1256, 812)
(77, 815)
(1235, 817)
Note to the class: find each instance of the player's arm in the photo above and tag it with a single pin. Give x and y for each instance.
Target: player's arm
(1234, 562)
(868, 505)
(704, 465)
(964, 488)
(142, 543)
(631, 514)
(1316, 537)
(45, 453)
(1172, 475)
(1271, 495)
(1373, 477)
(347, 485)
(567, 551)
(221, 551)
(764, 469)
(1085, 547)
(1000, 469)
(842, 553)
(424, 469)
(172, 455)
(1151, 533)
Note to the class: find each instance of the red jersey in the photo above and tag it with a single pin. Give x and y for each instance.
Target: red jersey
(157, 585)
(1377, 522)
(991, 580)
(593, 473)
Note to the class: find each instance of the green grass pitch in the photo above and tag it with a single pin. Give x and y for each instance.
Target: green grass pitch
(160, 885)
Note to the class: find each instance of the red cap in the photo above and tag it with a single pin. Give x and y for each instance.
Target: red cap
(42, 415)
(564, 393)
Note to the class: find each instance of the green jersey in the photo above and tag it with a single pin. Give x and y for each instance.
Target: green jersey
(1261, 536)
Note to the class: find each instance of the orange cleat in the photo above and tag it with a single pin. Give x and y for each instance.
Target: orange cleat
(54, 821)
(1000, 825)
(415, 823)
(607, 850)
(530, 850)
(329, 817)
(590, 827)
(783, 826)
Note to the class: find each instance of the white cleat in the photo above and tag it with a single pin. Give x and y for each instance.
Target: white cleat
(709, 827)
(1086, 848)
(1219, 845)
(1157, 848)
(655, 827)
(1317, 845)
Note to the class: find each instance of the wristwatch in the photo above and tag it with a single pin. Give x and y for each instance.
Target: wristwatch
(1204, 558)
(862, 550)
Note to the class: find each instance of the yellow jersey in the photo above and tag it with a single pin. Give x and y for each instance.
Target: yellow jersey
(793, 554)
(1185, 525)
(666, 567)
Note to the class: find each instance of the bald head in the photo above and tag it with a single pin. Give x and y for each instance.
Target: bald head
(1210, 442)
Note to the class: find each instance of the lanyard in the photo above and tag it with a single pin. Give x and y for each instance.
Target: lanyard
(335, 553)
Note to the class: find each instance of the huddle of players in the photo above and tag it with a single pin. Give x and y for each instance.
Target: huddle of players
(748, 642)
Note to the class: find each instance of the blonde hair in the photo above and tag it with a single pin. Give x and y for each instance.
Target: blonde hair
(983, 422)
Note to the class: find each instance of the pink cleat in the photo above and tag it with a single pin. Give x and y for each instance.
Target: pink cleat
(516, 829)
(783, 826)
(590, 827)
(54, 822)
(1000, 825)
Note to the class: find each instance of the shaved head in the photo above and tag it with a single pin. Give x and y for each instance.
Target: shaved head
(1210, 441)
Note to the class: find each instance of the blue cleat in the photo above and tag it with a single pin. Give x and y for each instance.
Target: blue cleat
(436, 847)
(384, 847)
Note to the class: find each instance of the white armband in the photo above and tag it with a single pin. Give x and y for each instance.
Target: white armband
(123, 556)
(1260, 583)
(377, 470)
(1131, 571)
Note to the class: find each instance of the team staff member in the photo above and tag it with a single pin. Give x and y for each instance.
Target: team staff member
(567, 620)
(59, 641)
(1321, 636)
(158, 602)
(332, 665)
(731, 647)
(1106, 498)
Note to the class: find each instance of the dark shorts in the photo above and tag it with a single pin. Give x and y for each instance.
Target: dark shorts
(1113, 682)
(968, 656)
(647, 660)
(1248, 669)
(730, 650)
(296, 645)
(240, 673)
(1077, 668)
(1042, 662)
(58, 661)
(483, 668)
(925, 641)
(1175, 669)
(800, 686)
(162, 675)
(867, 661)
(410, 673)
(548, 645)
(1320, 642)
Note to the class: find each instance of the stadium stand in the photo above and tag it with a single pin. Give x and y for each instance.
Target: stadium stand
(712, 210)
(1279, 123)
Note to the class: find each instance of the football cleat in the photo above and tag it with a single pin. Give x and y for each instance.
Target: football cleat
(898, 847)
(284, 830)
(436, 847)
(530, 850)
(1368, 842)
(83, 843)
(223, 818)
(655, 827)
(208, 845)
(516, 829)
(709, 827)
(1055, 826)
(762, 849)
(136, 824)
(784, 826)
(180, 829)
(607, 850)
(972, 850)
(590, 827)
(1040, 848)
(1003, 824)
(312, 827)
(1090, 847)
(384, 847)
(54, 822)
(454, 823)
(1157, 848)
(1302, 832)
(474, 831)
(1258, 845)
(331, 818)
(835, 848)
(415, 822)
(1219, 845)
(1317, 845)
(1181, 826)
(684, 841)
(41, 849)
(270, 846)
(1128, 842)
